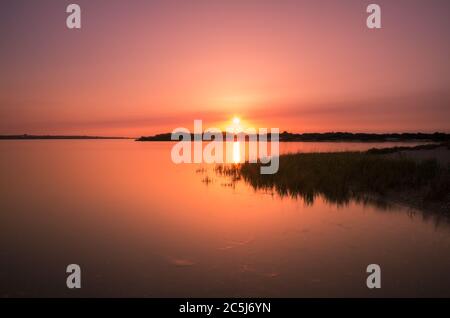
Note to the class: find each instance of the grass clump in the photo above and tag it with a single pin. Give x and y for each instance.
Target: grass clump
(342, 176)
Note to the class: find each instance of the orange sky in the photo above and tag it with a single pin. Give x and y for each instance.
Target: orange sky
(143, 67)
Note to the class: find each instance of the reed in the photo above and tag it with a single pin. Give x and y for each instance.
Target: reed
(342, 176)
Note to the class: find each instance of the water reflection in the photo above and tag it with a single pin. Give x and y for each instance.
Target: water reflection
(173, 236)
(236, 152)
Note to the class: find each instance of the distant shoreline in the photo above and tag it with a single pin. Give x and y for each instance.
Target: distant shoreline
(50, 137)
(333, 137)
(283, 137)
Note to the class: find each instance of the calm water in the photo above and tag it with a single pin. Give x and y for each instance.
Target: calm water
(138, 225)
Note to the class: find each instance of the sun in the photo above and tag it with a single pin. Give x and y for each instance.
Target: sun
(237, 126)
(234, 125)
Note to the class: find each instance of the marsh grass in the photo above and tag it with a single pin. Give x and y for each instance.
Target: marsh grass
(342, 176)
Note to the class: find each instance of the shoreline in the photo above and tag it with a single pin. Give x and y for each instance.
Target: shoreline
(325, 137)
(57, 137)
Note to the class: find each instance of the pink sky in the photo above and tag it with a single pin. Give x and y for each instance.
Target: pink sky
(143, 67)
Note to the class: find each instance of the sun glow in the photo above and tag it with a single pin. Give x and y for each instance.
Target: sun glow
(237, 126)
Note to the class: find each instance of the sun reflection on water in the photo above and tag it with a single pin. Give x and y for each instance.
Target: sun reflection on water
(236, 152)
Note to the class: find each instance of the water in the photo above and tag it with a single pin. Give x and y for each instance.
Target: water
(139, 225)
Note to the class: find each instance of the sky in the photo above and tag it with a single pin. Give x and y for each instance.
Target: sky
(144, 67)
